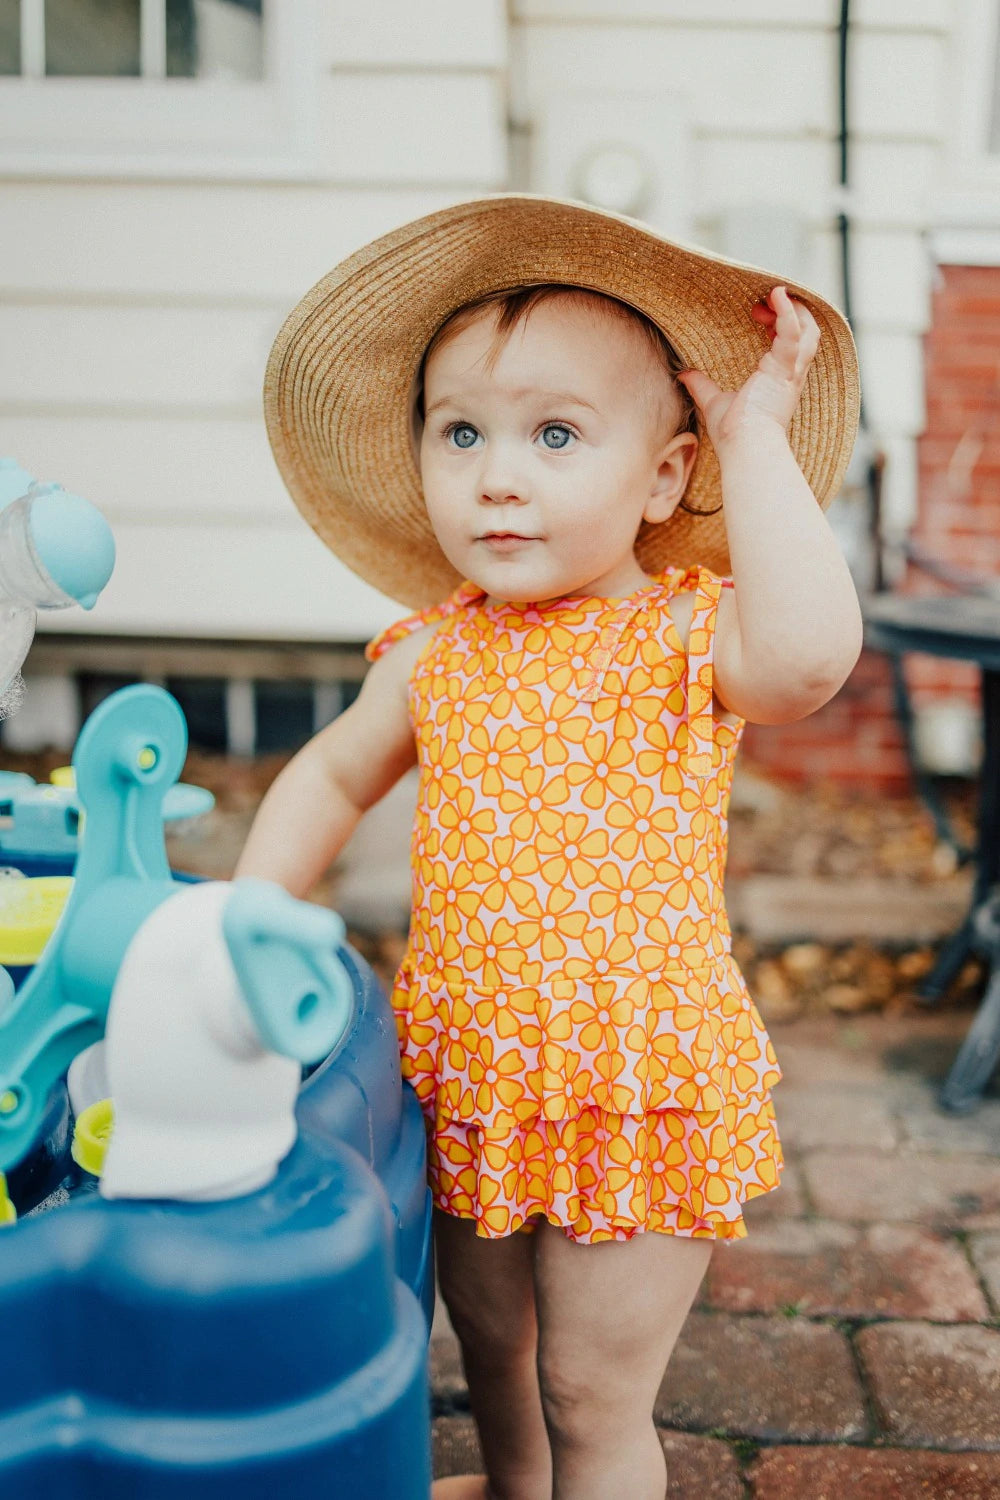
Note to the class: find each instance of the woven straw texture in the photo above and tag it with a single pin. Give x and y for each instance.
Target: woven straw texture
(340, 382)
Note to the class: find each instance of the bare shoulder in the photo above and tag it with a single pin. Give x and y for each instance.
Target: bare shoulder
(390, 672)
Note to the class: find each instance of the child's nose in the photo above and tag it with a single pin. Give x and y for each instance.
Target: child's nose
(500, 483)
(502, 478)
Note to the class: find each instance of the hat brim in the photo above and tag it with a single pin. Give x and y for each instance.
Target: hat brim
(339, 384)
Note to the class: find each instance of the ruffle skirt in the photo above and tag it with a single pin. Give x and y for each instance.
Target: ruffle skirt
(684, 1057)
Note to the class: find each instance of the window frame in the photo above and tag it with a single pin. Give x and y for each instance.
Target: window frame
(189, 128)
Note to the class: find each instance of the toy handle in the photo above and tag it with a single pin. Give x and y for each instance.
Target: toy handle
(284, 952)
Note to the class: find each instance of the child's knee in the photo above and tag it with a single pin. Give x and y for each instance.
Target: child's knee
(589, 1401)
(500, 1330)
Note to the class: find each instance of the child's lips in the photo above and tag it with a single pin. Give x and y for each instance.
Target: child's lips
(506, 541)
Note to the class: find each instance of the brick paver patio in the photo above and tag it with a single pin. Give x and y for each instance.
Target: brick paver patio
(849, 1349)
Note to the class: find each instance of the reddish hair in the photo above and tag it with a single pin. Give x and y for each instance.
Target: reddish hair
(515, 306)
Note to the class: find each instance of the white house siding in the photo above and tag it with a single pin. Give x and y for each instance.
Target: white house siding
(139, 305)
(747, 91)
(138, 310)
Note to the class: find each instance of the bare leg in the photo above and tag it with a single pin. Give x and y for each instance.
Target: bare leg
(488, 1290)
(608, 1316)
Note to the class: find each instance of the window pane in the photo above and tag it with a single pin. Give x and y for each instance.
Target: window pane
(215, 39)
(92, 38)
(10, 36)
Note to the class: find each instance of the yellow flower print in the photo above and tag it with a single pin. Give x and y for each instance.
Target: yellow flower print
(536, 792)
(492, 955)
(496, 1078)
(627, 1174)
(606, 773)
(561, 724)
(438, 780)
(642, 825)
(507, 692)
(601, 1017)
(631, 698)
(712, 1172)
(687, 1078)
(603, 952)
(682, 877)
(494, 759)
(665, 757)
(506, 1012)
(559, 920)
(566, 1084)
(465, 826)
(564, 838)
(626, 894)
(459, 1036)
(506, 877)
(684, 943)
(739, 1050)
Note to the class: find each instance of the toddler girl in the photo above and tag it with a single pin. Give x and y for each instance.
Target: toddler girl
(587, 403)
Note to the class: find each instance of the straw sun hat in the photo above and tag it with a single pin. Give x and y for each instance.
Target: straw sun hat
(340, 383)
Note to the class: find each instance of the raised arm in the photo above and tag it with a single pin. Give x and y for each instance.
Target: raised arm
(314, 805)
(789, 638)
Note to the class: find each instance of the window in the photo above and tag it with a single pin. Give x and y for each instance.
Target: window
(157, 87)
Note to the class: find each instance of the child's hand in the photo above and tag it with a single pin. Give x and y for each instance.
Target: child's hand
(772, 392)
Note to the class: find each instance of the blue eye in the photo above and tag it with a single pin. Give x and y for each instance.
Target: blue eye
(555, 436)
(463, 435)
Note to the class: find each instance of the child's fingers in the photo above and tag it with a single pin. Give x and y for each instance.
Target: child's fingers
(795, 333)
(700, 387)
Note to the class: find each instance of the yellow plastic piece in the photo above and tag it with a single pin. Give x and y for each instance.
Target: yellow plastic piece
(91, 1136)
(29, 911)
(8, 1213)
(63, 776)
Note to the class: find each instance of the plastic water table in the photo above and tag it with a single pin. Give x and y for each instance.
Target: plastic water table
(269, 1344)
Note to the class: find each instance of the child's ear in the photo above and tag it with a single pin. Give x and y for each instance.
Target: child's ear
(672, 474)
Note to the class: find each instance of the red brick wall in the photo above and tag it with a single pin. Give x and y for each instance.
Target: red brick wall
(854, 739)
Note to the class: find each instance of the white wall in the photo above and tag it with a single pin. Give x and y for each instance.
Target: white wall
(744, 95)
(141, 293)
(139, 305)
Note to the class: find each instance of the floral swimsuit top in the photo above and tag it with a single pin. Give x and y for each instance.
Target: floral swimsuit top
(569, 945)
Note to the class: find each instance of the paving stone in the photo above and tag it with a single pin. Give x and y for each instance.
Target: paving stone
(873, 1474)
(857, 1050)
(455, 1447)
(985, 1250)
(822, 1267)
(945, 1189)
(700, 1468)
(770, 1378)
(925, 1125)
(811, 1115)
(935, 1386)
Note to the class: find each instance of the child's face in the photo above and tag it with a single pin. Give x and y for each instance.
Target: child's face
(539, 466)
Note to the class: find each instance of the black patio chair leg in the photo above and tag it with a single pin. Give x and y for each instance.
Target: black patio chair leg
(977, 1058)
(980, 1052)
(949, 961)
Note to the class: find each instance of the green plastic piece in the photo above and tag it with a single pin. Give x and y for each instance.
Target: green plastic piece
(92, 1136)
(8, 1213)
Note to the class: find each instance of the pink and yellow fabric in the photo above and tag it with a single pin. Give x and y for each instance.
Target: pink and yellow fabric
(570, 1013)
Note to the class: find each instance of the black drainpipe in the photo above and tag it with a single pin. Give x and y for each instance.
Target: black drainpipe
(843, 223)
(844, 231)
